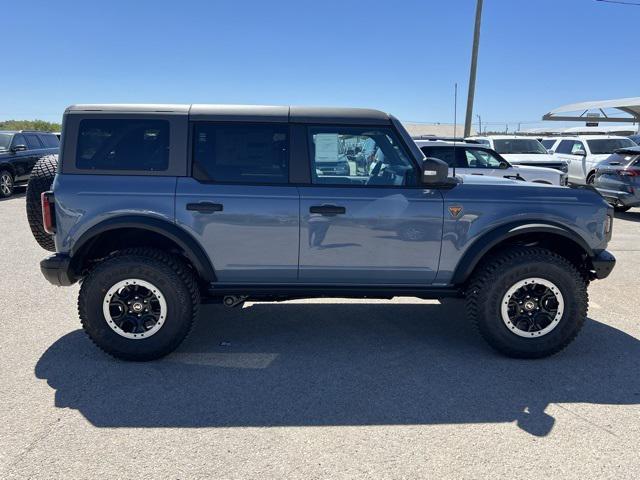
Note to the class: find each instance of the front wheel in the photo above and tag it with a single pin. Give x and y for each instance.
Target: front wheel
(6, 184)
(139, 304)
(528, 302)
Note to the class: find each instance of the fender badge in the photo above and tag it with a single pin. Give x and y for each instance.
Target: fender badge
(455, 211)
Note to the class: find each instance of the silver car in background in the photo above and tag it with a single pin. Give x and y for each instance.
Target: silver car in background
(476, 159)
(618, 178)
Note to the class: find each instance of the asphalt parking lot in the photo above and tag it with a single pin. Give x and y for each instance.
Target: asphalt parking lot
(315, 389)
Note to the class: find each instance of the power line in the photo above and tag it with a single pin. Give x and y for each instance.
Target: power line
(621, 2)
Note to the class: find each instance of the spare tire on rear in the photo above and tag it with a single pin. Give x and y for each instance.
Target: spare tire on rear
(40, 181)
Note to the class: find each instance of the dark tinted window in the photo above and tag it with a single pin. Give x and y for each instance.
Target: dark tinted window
(18, 140)
(127, 144)
(609, 145)
(49, 141)
(32, 141)
(446, 154)
(241, 153)
(518, 145)
(565, 146)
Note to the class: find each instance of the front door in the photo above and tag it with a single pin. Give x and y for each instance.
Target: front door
(373, 224)
(238, 203)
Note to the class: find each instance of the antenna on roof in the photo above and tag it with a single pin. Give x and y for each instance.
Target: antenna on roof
(455, 125)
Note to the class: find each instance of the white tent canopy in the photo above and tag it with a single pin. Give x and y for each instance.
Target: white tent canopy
(626, 105)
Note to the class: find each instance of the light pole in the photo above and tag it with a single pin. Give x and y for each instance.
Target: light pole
(472, 73)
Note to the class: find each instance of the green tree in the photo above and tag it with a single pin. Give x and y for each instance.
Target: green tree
(40, 125)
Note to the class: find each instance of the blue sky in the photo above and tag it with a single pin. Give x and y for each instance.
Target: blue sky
(399, 56)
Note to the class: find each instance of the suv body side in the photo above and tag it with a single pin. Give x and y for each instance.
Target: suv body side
(583, 153)
(302, 230)
(25, 148)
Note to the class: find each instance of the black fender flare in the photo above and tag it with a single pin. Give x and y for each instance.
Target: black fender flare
(192, 249)
(490, 239)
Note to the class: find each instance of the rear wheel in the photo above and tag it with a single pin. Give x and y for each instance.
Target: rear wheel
(139, 304)
(591, 178)
(6, 184)
(40, 181)
(528, 302)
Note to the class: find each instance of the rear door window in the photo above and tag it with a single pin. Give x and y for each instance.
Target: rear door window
(446, 154)
(123, 144)
(241, 153)
(33, 142)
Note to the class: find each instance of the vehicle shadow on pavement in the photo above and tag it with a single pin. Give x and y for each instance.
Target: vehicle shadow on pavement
(633, 216)
(339, 364)
(19, 192)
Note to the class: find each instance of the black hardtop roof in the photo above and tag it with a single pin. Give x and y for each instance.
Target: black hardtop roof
(246, 113)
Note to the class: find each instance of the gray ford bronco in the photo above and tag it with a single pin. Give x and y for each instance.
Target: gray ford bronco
(156, 209)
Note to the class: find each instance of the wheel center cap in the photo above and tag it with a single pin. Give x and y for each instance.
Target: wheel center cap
(529, 305)
(137, 307)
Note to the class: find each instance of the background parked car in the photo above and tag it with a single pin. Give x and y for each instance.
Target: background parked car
(634, 138)
(19, 152)
(520, 150)
(584, 152)
(618, 178)
(476, 159)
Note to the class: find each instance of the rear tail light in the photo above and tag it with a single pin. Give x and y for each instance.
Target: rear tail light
(632, 172)
(48, 213)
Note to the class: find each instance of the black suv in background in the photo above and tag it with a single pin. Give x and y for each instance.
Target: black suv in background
(19, 152)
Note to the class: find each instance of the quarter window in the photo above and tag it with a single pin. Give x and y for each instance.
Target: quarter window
(123, 144)
(358, 156)
(50, 141)
(241, 153)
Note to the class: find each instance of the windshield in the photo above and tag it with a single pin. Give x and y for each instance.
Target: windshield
(5, 141)
(608, 145)
(518, 145)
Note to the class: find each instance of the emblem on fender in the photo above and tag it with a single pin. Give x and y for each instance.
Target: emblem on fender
(455, 211)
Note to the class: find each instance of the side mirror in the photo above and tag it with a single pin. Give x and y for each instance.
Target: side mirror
(551, 152)
(581, 153)
(434, 171)
(504, 165)
(18, 148)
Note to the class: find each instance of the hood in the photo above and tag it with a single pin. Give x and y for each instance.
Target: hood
(499, 181)
(531, 169)
(529, 157)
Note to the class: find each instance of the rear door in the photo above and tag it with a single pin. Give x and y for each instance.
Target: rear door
(238, 201)
(21, 160)
(375, 225)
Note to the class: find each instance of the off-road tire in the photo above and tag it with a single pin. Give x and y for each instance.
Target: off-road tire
(493, 278)
(40, 181)
(173, 278)
(11, 187)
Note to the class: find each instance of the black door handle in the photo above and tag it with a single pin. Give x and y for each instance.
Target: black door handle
(204, 207)
(328, 210)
